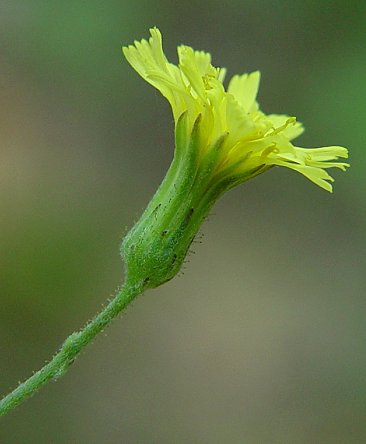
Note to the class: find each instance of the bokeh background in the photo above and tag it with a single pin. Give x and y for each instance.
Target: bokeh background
(262, 339)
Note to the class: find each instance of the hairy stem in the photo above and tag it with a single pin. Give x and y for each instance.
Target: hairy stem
(69, 350)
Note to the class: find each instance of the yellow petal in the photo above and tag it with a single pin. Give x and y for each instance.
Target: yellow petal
(291, 131)
(245, 88)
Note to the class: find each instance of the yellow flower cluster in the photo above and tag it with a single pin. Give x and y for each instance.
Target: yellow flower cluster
(252, 139)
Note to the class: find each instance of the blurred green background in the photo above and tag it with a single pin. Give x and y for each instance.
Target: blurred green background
(262, 340)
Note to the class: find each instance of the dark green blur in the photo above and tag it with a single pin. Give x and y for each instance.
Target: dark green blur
(262, 340)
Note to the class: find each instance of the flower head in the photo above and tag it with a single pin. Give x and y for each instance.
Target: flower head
(250, 141)
(221, 139)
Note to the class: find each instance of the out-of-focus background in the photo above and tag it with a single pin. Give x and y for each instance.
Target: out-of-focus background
(262, 340)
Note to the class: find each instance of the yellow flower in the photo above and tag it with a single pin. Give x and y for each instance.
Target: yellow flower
(253, 141)
(221, 140)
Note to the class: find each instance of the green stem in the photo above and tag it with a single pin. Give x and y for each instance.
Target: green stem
(70, 349)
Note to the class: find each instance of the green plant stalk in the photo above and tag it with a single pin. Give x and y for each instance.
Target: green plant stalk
(153, 252)
(72, 346)
(147, 255)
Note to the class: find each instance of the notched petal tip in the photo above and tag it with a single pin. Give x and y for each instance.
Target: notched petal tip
(155, 31)
(244, 88)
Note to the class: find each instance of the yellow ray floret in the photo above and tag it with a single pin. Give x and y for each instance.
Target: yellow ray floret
(253, 139)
